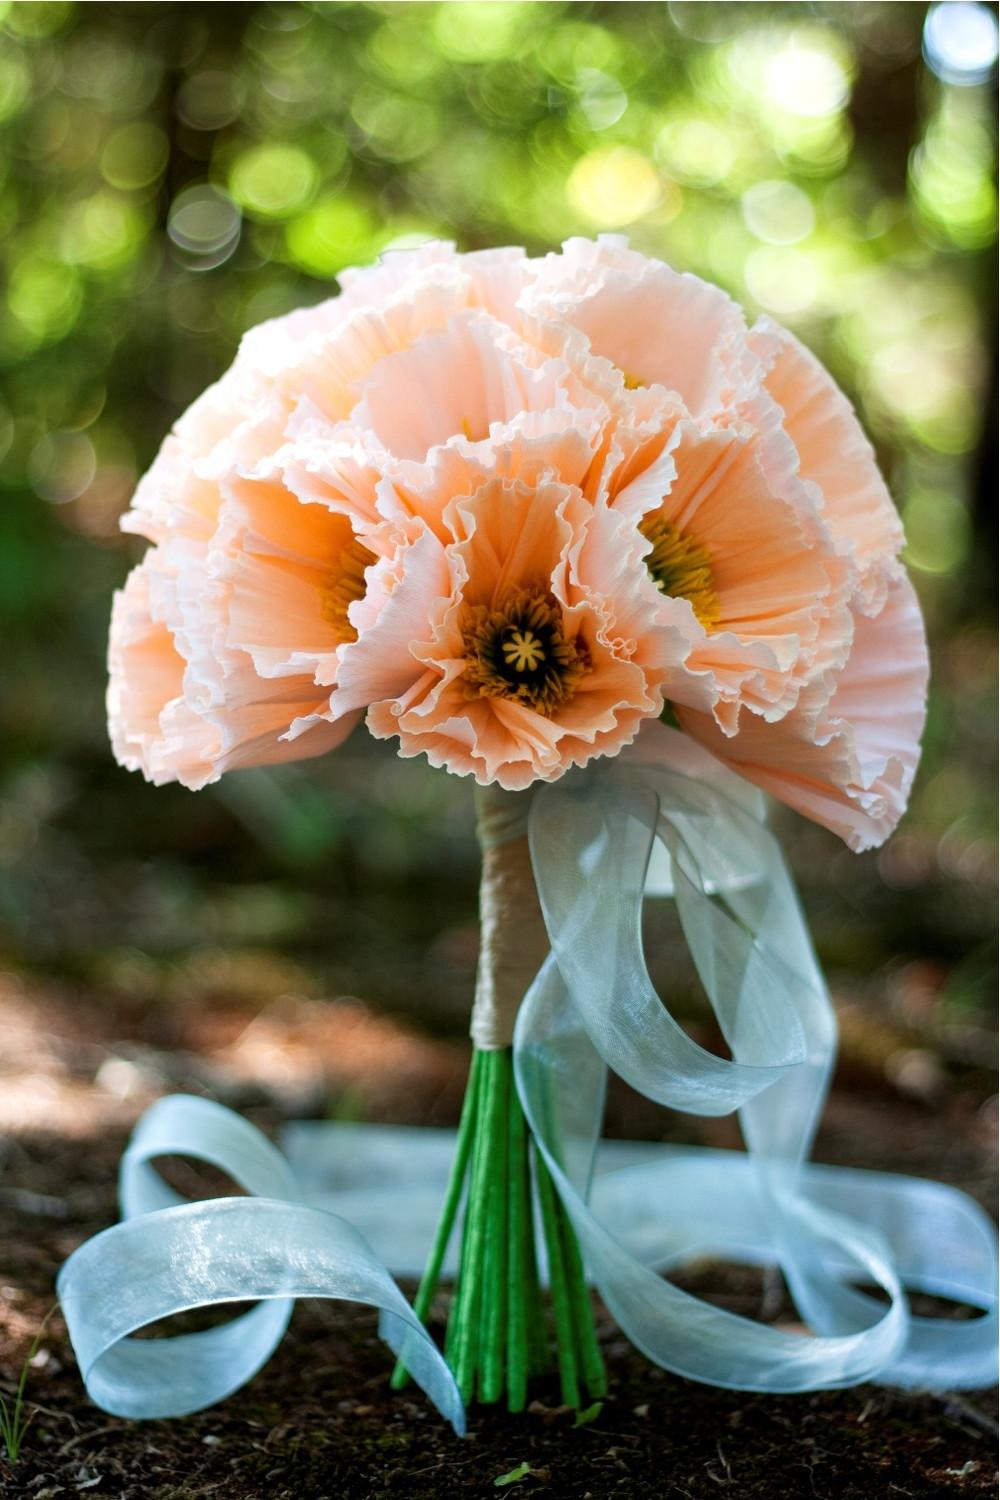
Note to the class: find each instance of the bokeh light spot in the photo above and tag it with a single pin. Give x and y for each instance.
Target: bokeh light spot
(602, 100)
(785, 281)
(205, 224)
(44, 297)
(134, 156)
(61, 466)
(273, 182)
(480, 30)
(961, 41)
(210, 100)
(103, 232)
(806, 79)
(399, 51)
(937, 531)
(696, 151)
(15, 82)
(396, 128)
(951, 172)
(330, 236)
(778, 212)
(614, 185)
(40, 19)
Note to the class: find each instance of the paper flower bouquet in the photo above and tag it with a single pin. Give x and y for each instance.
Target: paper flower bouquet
(515, 512)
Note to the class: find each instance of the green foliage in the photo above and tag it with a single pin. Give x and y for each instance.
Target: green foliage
(171, 174)
(176, 174)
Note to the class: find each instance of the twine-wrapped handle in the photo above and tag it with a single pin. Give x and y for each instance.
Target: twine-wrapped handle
(513, 939)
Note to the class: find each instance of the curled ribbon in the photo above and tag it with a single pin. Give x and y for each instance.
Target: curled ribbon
(832, 1231)
(168, 1256)
(593, 1006)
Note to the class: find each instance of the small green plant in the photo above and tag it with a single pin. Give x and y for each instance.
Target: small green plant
(14, 1423)
(591, 1414)
(514, 1476)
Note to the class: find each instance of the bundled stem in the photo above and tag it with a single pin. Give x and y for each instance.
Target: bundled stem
(498, 1333)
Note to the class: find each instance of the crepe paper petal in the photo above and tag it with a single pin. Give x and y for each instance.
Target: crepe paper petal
(587, 458)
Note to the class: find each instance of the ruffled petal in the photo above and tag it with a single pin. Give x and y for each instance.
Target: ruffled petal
(455, 383)
(517, 547)
(835, 456)
(762, 600)
(658, 326)
(145, 678)
(844, 758)
(381, 663)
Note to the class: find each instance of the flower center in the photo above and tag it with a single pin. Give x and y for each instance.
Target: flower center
(345, 584)
(681, 567)
(519, 651)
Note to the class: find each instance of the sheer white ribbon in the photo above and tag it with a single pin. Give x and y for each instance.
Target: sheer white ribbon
(593, 1006)
(833, 1232)
(168, 1256)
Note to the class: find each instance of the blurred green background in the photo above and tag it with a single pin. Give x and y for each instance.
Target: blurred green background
(173, 173)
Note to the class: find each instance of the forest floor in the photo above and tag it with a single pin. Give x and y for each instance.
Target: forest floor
(319, 1420)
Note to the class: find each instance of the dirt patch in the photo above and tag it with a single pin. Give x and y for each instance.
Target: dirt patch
(320, 1421)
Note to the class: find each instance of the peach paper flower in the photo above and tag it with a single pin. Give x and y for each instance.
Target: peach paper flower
(510, 508)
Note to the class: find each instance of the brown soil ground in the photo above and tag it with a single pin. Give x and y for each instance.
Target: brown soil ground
(320, 1420)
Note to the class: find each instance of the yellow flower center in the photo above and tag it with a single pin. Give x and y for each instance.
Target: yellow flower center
(681, 567)
(632, 382)
(519, 651)
(524, 651)
(345, 585)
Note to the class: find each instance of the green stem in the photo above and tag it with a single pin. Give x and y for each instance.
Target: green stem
(518, 1251)
(539, 1350)
(590, 1361)
(456, 1181)
(491, 1367)
(558, 1286)
(463, 1285)
(469, 1303)
(595, 1375)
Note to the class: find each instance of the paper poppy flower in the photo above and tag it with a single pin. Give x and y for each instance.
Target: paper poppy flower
(511, 507)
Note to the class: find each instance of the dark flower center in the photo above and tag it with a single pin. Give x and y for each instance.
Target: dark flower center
(519, 651)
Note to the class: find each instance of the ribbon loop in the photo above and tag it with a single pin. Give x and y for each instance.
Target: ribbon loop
(183, 1125)
(168, 1256)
